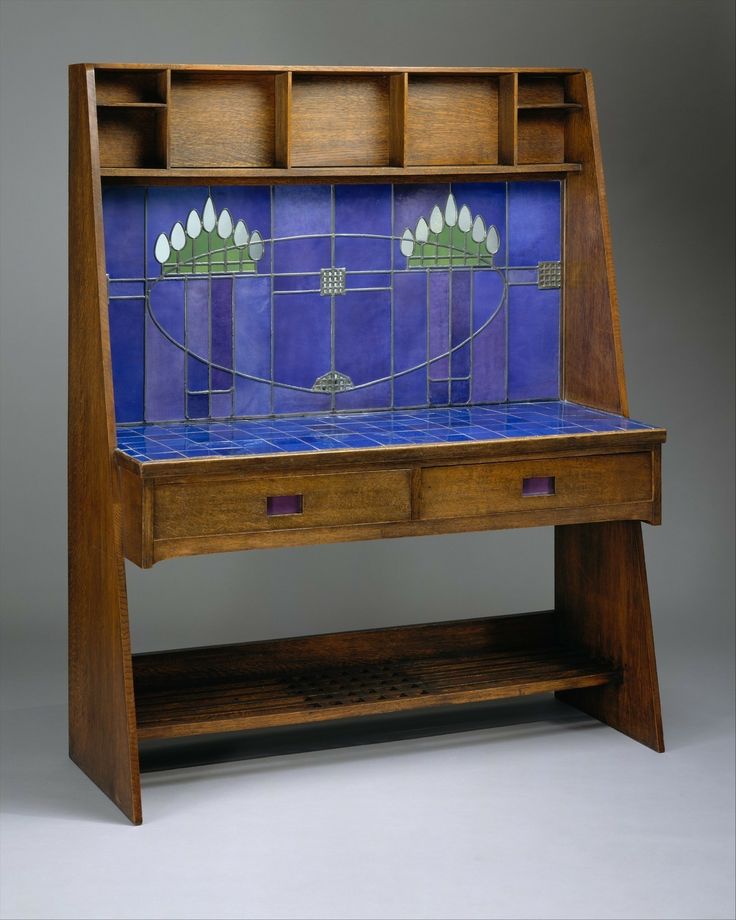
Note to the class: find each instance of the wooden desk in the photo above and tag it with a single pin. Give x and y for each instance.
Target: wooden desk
(196, 431)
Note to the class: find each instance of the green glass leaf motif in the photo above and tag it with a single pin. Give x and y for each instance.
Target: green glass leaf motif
(452, 237)
(210, 244)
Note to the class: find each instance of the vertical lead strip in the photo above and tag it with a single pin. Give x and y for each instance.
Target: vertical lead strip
(507, 304)
(146, 303)
(428, 344)
(471, 344)
(271, 332)
(186, 347)
(232, 345)
(392, 243)
(561, 295)
(332, 296)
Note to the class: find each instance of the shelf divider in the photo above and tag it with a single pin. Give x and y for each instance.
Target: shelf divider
(508, 126)
(398, 100)
(282, 121)
(164, 121)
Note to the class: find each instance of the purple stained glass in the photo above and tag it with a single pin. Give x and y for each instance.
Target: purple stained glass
(283, 504)
(538, 485)
(218, 310)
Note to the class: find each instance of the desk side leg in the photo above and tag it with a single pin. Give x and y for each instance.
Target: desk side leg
(602, 605)
(103, 739)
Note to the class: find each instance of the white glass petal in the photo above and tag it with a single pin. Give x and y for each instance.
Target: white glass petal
(422, 231)
(407, 243)
(493, 240)
(436, 222)
(224, 224)
(479, 230)
(178, 237)
(465, 219)
(255, 250)
(240, 236)
(194, 225)
(451, 211)
(209, 218)
(162, 250)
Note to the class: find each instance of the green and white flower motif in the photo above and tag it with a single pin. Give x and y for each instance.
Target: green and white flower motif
(451, 238)
(209, 245)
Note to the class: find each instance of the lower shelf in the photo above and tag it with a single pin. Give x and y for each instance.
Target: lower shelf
(345, 675)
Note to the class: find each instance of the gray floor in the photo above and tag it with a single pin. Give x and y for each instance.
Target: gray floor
(530, 811)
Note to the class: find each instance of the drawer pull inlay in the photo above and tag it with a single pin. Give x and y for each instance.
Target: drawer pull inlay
(538, 485)
(284, 504)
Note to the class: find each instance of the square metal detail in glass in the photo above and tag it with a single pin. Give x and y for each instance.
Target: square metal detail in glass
(549, 275)
(332, 281)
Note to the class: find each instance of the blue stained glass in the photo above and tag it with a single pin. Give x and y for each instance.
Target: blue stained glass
(263, 301)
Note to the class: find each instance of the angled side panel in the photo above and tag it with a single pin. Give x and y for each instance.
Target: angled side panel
(602, 606)
(593, 372)
(102, 728)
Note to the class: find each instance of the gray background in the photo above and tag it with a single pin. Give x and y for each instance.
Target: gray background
(533, 811)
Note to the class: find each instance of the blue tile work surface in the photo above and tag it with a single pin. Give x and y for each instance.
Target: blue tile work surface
(220, 305)
(340, 431)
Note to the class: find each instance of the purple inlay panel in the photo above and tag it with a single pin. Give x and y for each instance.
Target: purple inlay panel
(489, 345)
(538, 485)
(221, 332)
(461, 306)
(439, 325)
(283, 504)
(164, 362)
(252, 345)
(264, 341)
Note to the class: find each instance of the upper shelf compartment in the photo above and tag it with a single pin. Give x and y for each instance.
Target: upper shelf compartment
(125, 87)
(222, 119)
(452, 121)
(131, 117)
(542, 114)
(256, 124)
(339, 120)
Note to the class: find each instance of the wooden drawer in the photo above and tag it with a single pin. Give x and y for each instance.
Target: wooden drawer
(578, 482)
(210, 507)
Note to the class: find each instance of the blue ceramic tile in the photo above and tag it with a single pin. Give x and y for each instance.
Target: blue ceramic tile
(367, 429)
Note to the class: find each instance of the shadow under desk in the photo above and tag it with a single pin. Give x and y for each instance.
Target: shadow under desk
(208, 487)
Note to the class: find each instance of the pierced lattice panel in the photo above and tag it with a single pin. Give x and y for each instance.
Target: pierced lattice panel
(347, 687)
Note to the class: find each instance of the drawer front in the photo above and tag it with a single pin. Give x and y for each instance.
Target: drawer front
(192, 509)
(533, 485)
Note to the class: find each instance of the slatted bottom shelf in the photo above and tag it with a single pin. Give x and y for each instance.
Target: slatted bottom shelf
(344, 675)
